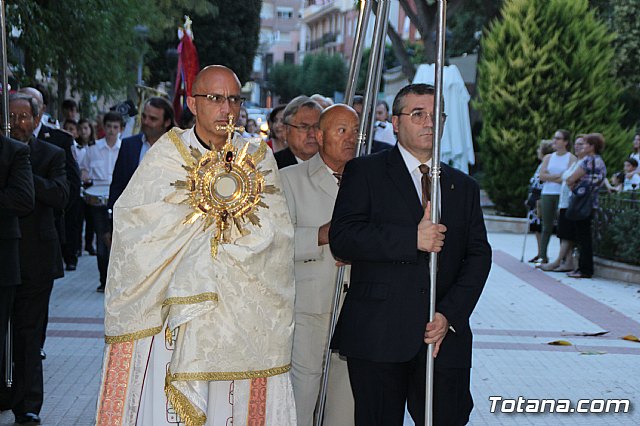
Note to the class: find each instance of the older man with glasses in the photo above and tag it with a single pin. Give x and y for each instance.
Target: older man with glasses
(301, 118)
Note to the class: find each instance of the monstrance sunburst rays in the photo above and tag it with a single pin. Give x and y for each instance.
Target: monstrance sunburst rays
(225, 188)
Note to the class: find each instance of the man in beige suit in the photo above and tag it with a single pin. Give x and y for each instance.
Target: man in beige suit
(311, 189)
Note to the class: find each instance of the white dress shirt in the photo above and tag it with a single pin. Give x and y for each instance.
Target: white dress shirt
(99, 161)
(413, 166)
(145, 147)
(383, 132)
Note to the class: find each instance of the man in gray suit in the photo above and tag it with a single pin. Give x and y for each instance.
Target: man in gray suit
(311, 189)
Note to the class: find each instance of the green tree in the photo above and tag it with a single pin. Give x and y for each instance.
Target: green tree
(465, 17)
(283, 80)
(546, 65)
(226, 32)
(321, 73)
(91, 45)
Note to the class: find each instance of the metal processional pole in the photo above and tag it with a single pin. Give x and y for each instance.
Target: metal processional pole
(365, 138)
(6, 128)
(435, 195)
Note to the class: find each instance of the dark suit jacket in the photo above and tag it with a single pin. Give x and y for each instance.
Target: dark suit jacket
(126, 165)
(40, 257)
(285, 158)
(374, 226)
(64, 140)
(16, 199)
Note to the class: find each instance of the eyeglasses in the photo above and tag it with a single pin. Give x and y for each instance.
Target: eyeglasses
(304, 128)
(420, 117)
(221, 99)
(21, 118)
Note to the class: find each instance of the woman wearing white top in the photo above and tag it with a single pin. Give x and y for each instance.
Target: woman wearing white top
(566, 227)
(553, 166)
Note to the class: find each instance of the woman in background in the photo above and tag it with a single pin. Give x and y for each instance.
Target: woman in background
(566, 227)
(533, 200)
(592, 171)
(277, 138)
(553, 166)
(86, 138)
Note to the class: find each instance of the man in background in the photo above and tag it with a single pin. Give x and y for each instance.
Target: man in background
(301, 123)
(40, 259)
(97, 170)
(157, 119)
(311, 189)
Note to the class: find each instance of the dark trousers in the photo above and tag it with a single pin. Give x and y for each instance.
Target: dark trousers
(380, 390)
(89, 231)
(102, 225)
(73, 227)
(585, 245)
(29, 311)
(7, 295)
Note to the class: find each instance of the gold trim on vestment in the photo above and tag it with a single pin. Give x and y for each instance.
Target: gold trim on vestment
(188, 413)
(136, 335)
(188, 300)
(230, 375)
(188, 158)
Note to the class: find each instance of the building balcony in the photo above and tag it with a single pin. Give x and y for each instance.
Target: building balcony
(317, 9)
(327, 40)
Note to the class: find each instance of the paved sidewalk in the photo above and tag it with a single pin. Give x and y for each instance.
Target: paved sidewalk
(520, 311)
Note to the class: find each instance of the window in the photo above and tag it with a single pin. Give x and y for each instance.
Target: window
(289, 57)
(285, 12)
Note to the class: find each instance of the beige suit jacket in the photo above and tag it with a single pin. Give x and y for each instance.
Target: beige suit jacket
(311, 192)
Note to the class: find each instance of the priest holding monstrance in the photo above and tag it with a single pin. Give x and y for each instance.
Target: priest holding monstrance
(199, 295)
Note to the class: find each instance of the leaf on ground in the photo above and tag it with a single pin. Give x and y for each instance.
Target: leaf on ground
(560, 343)
(631, 338)
(599, 333)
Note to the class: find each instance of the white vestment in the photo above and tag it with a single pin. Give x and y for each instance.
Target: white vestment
(230, 315)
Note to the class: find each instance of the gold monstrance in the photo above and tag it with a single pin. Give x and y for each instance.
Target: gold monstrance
(225, 188)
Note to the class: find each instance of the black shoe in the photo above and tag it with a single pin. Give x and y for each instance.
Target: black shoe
(100, 289)
(91, 251)
(71, 267)
(43, 354)
(27, 419)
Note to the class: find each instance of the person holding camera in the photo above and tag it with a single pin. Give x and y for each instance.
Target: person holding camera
(97, 170)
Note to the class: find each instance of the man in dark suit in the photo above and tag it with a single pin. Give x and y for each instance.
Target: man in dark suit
(68, 221)
(300, 118)
(157, 119)
(381, 225)
(40, 259)
(16, 199)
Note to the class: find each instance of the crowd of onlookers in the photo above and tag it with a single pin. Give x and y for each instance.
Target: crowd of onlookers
(566, 171)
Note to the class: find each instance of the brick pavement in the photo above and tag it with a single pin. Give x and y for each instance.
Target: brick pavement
(521, 310)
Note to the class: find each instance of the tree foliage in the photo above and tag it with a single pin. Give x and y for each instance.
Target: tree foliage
(94, 46)
(546, 65)
(322, 73)
(465, 18)
(90, 44)
(225, 33)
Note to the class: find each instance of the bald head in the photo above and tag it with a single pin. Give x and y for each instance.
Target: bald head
(329, 114)
(212, 72)
(337, 136)
(215, 96)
